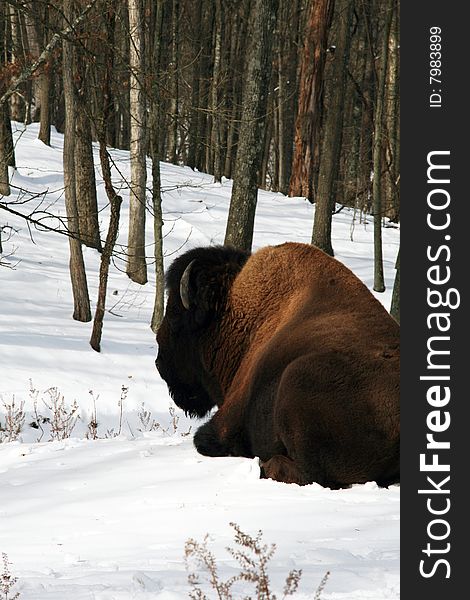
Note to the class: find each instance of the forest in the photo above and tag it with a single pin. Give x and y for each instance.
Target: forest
(294, 96)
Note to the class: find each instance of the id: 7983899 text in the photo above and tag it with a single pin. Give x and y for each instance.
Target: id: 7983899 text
(435, 67)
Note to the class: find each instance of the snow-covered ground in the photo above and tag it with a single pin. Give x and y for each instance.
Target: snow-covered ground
(107, 518)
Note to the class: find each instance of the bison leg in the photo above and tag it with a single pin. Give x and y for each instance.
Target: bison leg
(282, 468)
(330, 421)
(208, 442)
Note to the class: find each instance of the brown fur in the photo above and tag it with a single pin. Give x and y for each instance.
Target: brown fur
(303, 363)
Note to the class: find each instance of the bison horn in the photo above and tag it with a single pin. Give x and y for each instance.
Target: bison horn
(184, 285)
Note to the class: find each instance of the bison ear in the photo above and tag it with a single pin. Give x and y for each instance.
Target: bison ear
(203, 290)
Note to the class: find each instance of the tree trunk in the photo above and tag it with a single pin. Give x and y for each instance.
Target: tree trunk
(115, 201)
(231, 135)
(10, 146)
(82, 310)
(4, 143)
(85, 184)
(193, 133)
(307, 127)
(216, 82)
(204, 93)
(44, 84)
(379, 283)
(287, 93)
(237, 52)
(158, 308)
(37, 24)
(174, 74)
(392, 123)
(16, 109)
(111, 237)
(266, 155)
(124, 46)
(350, 151)
(363, 183)
(136, 265)
(325, 197)
(58, 108)
(241, 217)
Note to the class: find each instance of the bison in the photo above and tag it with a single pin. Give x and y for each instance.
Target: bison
(299, 357)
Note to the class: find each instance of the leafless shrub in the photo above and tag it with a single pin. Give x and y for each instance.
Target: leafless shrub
(92, 426)
(292, 583)
(13, 420)
(252, 557)
(321, 587)
(7, 581)
(175, 419)
(59, 419)
(204, 559)
(146, 420)
(124, 391)
(111, 433)
(63, 419)
(148, 423)
(39, 420)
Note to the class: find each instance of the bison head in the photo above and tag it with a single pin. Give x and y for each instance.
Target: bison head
(198, 283)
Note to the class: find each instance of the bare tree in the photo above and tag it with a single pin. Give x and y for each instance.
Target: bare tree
(83, 155)
(4, 116)
(308, 123)
(241, 216)
(4, 154)
(4, 176)
(379, 283)
(82, 310)
(238, 26)
(114, 199)
(392, 120)
(196, 59)
(287, 88)
(329, 161)
(136, 265)
(37, 22)
(174, 83)
(113, 229)
(158, 309)
(216, 85)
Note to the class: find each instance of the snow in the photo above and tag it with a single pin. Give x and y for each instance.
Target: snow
(108, 518)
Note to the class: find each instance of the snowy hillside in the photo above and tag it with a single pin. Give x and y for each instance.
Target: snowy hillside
(108, 518)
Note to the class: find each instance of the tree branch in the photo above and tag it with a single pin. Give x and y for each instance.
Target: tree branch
(37, 222)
